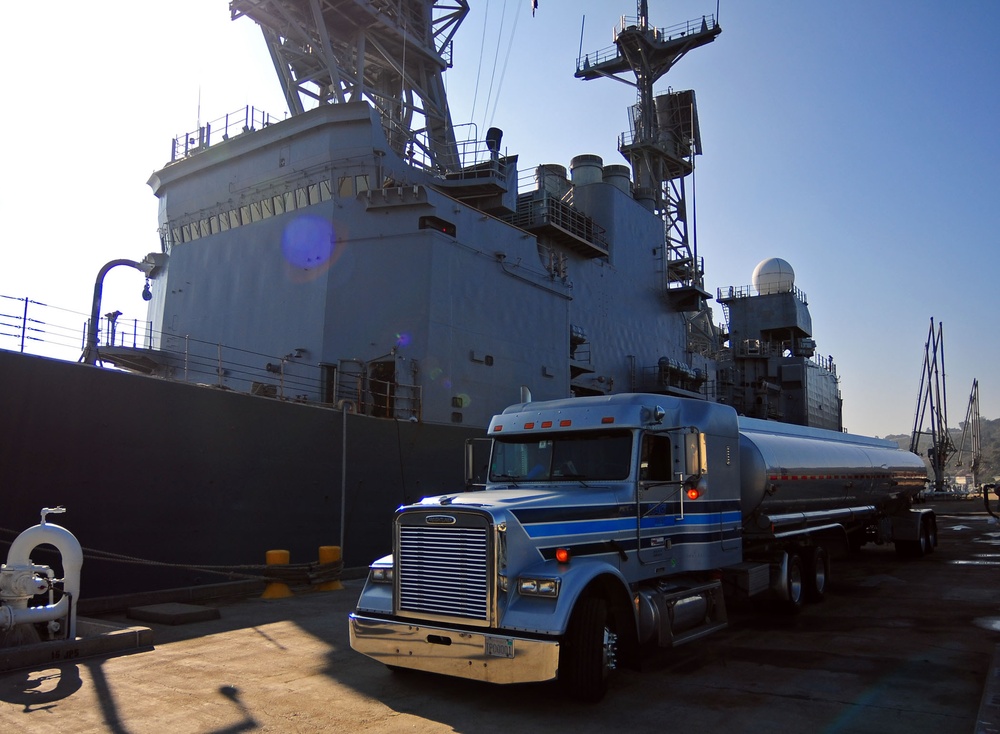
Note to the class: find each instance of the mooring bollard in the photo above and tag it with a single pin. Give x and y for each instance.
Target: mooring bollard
(329, 554)
(277, 589)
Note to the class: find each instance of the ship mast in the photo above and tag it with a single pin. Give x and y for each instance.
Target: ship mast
(664, 135)
(391, 53)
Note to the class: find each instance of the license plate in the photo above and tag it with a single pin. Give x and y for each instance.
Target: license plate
(500, 647)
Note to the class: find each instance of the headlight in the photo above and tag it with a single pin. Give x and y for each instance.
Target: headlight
(380, 574)
(527, 586)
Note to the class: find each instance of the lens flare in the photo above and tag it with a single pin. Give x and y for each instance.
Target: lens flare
(309, 243)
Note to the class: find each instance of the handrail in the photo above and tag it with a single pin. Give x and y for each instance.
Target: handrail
(245, 120)
(750, 291)
(668, 33)
(61, 334)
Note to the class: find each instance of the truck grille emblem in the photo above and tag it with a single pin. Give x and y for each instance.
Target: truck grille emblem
(440, 520)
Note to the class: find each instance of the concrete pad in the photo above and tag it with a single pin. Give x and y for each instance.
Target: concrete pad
(94, 638)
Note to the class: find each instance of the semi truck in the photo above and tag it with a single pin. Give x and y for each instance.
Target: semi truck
(615, 522)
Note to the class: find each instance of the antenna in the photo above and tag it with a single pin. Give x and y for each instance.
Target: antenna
(583, 22)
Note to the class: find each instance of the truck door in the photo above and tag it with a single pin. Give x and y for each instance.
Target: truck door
(658, 498)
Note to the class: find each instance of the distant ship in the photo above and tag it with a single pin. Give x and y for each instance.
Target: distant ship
(344, 297)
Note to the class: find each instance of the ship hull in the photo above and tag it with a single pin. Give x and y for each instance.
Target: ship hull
(172, 473)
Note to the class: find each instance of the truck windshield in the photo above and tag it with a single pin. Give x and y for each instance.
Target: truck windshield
(592, 455)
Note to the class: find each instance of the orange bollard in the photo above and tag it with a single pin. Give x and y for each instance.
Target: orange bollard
(277, 589)
(329, 554)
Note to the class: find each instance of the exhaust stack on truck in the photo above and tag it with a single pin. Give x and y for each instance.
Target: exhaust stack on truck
(611, 522)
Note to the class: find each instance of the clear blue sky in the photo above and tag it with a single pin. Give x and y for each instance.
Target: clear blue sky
(858, 140)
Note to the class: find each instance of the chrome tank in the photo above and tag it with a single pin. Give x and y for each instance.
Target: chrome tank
(786, 468)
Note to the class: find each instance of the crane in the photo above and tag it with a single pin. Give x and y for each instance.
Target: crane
(932, 407)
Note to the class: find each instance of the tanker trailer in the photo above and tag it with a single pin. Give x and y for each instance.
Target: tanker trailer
(807, 491)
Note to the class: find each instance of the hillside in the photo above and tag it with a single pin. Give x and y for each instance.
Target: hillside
(989, 466)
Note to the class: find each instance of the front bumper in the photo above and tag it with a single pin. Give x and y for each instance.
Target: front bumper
(494, 658)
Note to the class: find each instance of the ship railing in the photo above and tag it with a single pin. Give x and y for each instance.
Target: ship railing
(671, 374)
(472, 157)
(763, 348)
(477, 160)
(549, 201)
(667, 33)
(748, 291)
(246, 120)
(32, 327)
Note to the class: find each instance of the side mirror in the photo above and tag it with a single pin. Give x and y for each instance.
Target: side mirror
(477, 458)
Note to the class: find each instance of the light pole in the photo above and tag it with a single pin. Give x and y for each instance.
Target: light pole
(152, 265)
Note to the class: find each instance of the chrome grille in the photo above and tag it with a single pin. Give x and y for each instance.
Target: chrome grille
(444, 570)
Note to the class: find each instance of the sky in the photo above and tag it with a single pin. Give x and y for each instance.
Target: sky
(857, 140)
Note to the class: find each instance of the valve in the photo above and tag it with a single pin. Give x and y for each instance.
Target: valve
(51, 511)
(18, 583)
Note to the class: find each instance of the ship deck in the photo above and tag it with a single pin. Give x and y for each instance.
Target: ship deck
(896, 646)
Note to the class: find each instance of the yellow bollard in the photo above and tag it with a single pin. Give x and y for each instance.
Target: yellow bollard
(329, 554)
(277, 589)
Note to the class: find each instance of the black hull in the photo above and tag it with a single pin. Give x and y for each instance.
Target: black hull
(183, 474)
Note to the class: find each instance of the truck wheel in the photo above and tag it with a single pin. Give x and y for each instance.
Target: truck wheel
(589, 650)
(932, 539)
(794, 588)
(817, 574)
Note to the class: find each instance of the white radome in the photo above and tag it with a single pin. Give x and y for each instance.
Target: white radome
(773, 275)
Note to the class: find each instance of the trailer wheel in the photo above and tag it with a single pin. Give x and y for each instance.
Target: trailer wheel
(794, 588)
(589, 651)
(932, 537)
(919, 547)
(817, 574)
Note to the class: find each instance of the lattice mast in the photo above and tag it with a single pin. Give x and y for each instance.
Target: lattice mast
(932, 407)
(971, 446)
(664, 135)
(391, 53)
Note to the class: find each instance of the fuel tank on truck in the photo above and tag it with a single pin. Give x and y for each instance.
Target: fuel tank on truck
(786, 468)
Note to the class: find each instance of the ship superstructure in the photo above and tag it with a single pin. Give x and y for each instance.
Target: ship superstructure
(427, 278)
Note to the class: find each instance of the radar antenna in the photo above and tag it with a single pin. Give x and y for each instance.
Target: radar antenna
(391, 53)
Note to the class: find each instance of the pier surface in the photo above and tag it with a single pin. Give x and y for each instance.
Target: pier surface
(897, 646)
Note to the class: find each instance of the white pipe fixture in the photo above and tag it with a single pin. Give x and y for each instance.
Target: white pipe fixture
(20, 579)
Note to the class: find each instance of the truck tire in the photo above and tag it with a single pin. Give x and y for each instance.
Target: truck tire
(589, 650)
(794, 586)
(817, 573)
(919, 547)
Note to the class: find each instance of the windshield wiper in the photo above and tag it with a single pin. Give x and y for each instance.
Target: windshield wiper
(513, 480)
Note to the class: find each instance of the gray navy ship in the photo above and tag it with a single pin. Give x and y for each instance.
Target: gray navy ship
(344, 297)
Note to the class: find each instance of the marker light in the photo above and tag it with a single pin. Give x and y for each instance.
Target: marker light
(529, 425)
(565, 423)
(608, 419)
(562, 555)
(693, 493)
